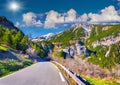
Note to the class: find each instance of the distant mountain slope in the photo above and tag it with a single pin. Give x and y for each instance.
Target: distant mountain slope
(105, 42)
(104, 35)
(4, 22)
(67, 35)
(102, 42)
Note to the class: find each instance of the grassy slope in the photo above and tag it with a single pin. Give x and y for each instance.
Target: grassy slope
(96, 34)
(3, 48)
(9, 66)
(99, 58)
(99, 81)
(68, 35)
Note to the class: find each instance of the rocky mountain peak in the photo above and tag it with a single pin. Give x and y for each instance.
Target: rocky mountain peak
(4, 22)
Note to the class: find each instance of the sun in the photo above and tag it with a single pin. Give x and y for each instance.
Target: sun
(14, 6)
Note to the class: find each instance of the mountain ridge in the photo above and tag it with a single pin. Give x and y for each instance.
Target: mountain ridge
(4, 22)
(95, 41)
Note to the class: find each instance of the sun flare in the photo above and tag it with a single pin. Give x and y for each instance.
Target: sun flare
(14, 6)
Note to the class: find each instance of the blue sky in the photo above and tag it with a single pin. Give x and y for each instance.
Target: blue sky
(39, 17)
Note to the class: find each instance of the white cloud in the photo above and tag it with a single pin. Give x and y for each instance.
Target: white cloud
(83, 18)
(38, 23)
(71, 16)
(52, 18)
(109, 14)
(30, 19)
(17, 24)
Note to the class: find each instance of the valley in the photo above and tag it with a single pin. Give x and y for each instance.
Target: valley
(88, 50)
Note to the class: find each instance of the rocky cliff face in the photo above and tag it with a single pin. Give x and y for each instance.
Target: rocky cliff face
(102, 45)
(77, 48)
(107, 41)
(97, 38)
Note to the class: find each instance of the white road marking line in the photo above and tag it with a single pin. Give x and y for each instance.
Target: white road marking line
(61, 76)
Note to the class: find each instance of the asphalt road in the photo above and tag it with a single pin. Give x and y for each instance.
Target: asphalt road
(42, 73)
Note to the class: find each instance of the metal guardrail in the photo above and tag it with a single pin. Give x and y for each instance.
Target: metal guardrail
(78, 81)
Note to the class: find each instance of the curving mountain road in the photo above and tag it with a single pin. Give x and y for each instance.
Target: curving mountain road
(42, 73)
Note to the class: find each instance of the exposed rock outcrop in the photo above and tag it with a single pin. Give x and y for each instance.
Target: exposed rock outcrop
(106, 28)
(76, 49)
(107, 41)
(31, 52)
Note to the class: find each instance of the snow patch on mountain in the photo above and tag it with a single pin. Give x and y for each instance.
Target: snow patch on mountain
(87, 27)
(43, 37)
(47, 36)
